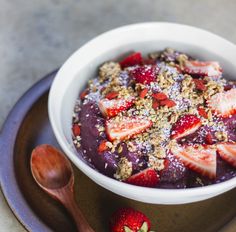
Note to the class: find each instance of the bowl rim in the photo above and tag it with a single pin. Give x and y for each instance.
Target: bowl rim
(89, 171)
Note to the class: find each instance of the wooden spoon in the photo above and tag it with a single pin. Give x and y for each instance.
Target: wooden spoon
(53, 173)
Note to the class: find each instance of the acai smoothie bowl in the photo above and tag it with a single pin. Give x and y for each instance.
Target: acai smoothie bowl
(148, 115)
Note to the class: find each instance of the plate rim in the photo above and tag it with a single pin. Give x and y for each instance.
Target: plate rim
(8, 134)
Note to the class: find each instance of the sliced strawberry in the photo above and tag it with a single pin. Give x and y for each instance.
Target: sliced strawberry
(112, 95)
(145, 178)
(102, 146)
(199, 84)
(227, 152)
(208, 68)
(131, 60)
(169, 103)
(186, 125)
(144, 74)
(111, 108)
(202, 112)
(126, 127)
(159, 96)
(201, 160)
(143, 93)
(76, 130)
(223, 104)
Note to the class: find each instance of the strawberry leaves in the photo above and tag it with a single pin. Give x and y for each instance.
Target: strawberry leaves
(144, 228)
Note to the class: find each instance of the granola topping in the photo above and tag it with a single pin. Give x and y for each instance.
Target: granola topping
(124, 169)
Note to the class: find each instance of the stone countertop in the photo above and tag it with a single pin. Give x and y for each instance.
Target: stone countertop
(38, 36)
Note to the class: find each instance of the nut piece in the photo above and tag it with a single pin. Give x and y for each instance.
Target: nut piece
(159, 152)
(109, 70)
(182, 58)
(222, 136)
(157, 164)
(124, 169)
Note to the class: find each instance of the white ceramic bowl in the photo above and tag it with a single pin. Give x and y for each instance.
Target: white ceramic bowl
(144, 37)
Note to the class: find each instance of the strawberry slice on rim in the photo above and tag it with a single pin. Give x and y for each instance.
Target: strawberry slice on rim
(131, 60)
(223, 104)
(145, 178)
(185, 125)
(110, 108)
(227, 152)
(201, 160)
(126, 127)
(207, 68)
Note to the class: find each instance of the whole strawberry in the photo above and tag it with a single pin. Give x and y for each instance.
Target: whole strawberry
(129, 220)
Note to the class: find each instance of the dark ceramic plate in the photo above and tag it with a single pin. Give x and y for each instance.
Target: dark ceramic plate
(27, 126)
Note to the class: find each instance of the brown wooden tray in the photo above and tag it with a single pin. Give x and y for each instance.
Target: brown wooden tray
(27, 126)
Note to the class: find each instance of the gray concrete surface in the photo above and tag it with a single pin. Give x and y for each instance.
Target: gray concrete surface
(38, 36)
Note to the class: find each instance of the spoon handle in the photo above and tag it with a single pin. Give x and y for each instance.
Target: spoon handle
(68, 200)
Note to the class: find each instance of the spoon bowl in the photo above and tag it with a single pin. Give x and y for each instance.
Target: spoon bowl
(50, 168)
(53, 172)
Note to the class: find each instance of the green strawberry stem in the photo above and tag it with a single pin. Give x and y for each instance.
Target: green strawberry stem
(144, 228)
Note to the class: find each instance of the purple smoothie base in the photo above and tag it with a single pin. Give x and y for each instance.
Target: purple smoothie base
(175, 176)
